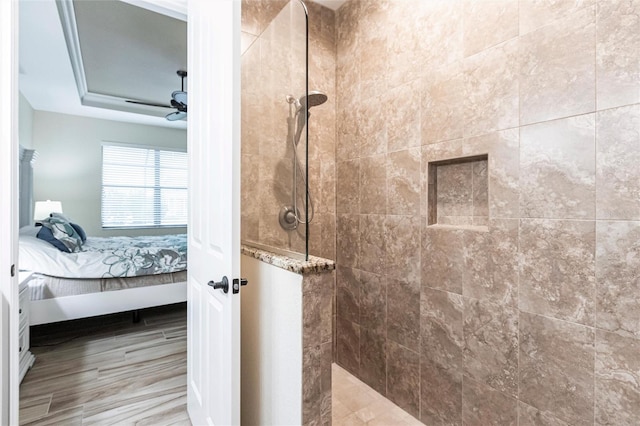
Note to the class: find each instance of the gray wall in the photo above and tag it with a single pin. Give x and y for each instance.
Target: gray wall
(69, 164)
(25, 124)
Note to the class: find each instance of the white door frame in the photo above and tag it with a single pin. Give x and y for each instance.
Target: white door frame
(8, 211)
(9, 362)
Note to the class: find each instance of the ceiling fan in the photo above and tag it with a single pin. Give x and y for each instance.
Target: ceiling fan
(178, 101)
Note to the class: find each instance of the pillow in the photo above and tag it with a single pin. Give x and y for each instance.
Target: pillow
(60, 231)
(60, 216)
(80, 231)
(45, 234)
(29, 230)
(78, 228)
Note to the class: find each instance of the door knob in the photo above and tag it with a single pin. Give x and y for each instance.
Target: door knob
(223, 284)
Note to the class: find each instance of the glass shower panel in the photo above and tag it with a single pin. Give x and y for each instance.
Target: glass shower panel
(274, 150)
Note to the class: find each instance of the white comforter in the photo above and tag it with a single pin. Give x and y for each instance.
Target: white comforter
(106, 257)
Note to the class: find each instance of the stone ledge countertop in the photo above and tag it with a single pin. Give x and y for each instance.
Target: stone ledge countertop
(312, 266)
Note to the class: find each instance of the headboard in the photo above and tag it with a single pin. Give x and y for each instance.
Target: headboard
(25, 195)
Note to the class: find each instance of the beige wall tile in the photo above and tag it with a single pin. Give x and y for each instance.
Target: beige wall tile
(257, 14)
(402, 245)
(326, 195)
(441, 328)
(531, 416)
(373, 301)
(430, 35)
(441, 394)
(348, 133)
(373, 361)
(348, 186)
(327, 229)
(348, 240)
(482, 405)
(405, 41)
(348, 345)
(502, 149)
(441, 357)
(557, 169)
(617, 160)
(557, 269)
(402, 114)
(442, 103)
(490, 271)
(403, 307)
(557, 367)
(479, 71)
(348, 294)
(491, 89)
(443, 254)
(490, 353)
(454, 190)
(311, 384)
(537, 13)
(374, 49)
(403, 182)
(488, 23)
(480, 189)
(617, 377)
(403, 383)
(373, 247)
(373, 184)
(557, 69)
(430, 153)
(372, 124)
(617, 47)
(617, 277)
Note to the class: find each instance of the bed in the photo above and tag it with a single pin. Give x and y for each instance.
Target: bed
(106, 275)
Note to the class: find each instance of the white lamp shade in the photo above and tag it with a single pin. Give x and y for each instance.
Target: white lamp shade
(44, 208)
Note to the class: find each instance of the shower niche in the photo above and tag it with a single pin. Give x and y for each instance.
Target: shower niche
(458, 192)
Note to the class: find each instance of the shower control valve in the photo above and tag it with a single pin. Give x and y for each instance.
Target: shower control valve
(288, 218)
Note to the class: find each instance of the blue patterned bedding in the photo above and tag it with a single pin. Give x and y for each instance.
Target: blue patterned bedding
(107, 257)
(134, 256)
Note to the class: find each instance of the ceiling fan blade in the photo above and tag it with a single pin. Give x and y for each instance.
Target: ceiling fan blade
(178, 115)
(180, 96)
(148, 104)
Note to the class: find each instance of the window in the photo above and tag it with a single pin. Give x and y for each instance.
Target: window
(143, 187)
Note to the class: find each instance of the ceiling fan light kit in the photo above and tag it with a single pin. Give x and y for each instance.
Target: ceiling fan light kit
(179, 101)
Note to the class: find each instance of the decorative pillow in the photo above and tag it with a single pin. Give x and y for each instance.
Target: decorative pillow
(45, 234)
(80, 231)
(78, 228)
(60, 216)
(60, 231)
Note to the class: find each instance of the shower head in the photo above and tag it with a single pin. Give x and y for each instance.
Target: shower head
(314, 98)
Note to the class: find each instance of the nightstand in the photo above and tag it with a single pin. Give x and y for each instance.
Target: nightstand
(26, 357)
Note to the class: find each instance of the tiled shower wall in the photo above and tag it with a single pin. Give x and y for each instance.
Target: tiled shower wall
(272, 68)
(535, 319)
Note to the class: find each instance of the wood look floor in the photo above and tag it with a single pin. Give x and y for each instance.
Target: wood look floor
(108, 370)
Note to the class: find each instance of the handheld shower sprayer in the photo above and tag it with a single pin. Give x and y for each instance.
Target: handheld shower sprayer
(289, 215)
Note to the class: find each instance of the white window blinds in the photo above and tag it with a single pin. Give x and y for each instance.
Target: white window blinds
(143, 187)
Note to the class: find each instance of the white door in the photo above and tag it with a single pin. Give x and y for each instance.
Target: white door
(213, 351)
(8, 213)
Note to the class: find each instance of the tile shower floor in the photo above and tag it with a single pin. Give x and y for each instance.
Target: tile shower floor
(355, 403)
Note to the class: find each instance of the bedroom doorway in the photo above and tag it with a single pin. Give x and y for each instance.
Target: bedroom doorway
(215, 168)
